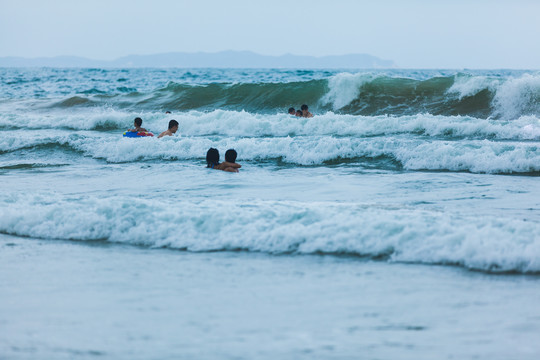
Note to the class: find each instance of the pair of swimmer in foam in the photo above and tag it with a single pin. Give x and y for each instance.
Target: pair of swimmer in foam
(137, 127)
(229, 165)
(303, 112)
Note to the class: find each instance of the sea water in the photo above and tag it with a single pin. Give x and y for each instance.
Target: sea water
(400, 222)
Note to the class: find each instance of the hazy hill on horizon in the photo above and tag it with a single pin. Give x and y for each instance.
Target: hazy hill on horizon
(223, 59)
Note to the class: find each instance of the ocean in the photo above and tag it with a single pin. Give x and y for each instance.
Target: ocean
(402, 221)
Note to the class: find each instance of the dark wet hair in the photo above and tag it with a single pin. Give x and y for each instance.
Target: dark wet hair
(230, 155)
(298, 112)
(138, 121)
(304, 107)
(167, 112)
(212, 157)
(291, 110)
(172, 124)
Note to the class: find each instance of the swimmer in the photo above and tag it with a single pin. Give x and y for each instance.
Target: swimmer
(305, 112)
(137, 125)
(299, 113)
(173, 127)
(229, 165)
(292, 111)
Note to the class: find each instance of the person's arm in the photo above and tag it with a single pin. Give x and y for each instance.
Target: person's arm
(229, 164)
(162, 134)
(226, 166)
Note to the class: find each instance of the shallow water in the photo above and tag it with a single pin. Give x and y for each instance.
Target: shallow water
(99, 300)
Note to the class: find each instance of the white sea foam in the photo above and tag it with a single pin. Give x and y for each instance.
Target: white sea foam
(480, 156)
(475, 156)
(86, 119)
(241, 124)
(345, 87)
(244, 124)
(13, 141)
(402, 234)
(466, 86)
(518, 96)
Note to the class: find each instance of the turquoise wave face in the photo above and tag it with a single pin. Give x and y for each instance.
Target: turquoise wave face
(481, 94)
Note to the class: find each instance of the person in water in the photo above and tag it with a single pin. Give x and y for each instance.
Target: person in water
(229, 165)
(299, 113)
(292, 111)
(305, 111)
(173, 127)
(230, 160)
(137, 125)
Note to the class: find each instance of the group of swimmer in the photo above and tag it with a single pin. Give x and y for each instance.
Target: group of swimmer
(212, 155)
(302, 112)
(137, 123)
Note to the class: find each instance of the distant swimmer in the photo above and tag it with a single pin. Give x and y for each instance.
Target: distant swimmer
(292, 111)
(229, 165)
(305, 112)
(137, 126)
(167, 112)
(173, 127)
(299, 113)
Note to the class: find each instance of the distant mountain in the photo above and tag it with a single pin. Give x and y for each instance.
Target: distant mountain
(58, 61)
(223, 59)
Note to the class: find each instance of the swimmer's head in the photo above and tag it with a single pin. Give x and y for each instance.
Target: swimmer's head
(304, 107)
(167, 112)
(299, 113)
(212, 157)
(137, 122)
(291, 111)
(230, 155)
(173, 126)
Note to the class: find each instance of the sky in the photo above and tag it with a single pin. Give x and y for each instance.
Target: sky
(460, 34)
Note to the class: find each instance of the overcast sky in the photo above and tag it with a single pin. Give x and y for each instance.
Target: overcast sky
(414, 33)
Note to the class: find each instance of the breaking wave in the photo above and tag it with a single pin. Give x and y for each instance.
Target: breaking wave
(442, 153)
(372, 231)
(367, 94)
